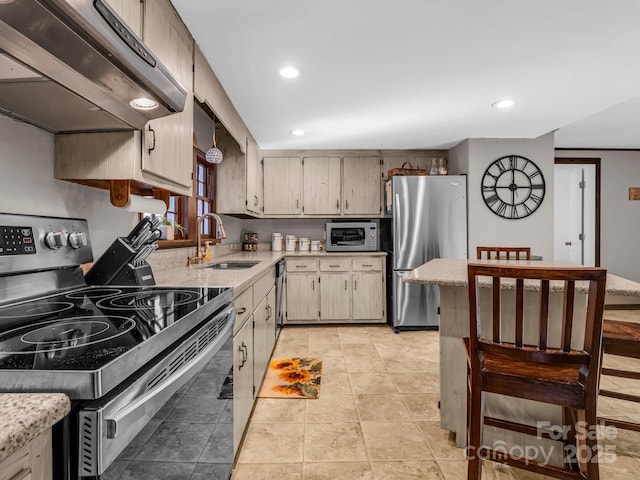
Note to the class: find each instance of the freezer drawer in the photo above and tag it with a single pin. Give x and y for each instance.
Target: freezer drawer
(414, 305)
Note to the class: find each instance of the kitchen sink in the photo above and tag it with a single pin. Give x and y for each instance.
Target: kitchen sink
(232, 265)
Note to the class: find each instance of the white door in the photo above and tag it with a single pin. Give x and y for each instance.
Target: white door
(575, 213)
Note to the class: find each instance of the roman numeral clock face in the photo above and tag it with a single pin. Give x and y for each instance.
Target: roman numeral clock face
(513, 187)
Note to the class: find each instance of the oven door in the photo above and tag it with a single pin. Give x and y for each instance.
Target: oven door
(107, 425)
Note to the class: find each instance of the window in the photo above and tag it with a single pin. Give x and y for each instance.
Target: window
(185, 210)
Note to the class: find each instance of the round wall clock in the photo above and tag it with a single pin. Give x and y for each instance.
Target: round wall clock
(513, 187)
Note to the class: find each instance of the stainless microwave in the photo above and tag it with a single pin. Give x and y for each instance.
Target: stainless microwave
(352, 237)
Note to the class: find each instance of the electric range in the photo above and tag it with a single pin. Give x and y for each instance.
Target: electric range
(118, 351)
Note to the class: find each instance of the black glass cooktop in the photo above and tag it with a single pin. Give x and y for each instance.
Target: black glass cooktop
(86, 329)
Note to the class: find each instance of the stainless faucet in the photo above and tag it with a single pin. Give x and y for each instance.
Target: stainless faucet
(220, 233)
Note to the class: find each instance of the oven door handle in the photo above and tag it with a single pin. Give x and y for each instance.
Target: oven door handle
(161, 393)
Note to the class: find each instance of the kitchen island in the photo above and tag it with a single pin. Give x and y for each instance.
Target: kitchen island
(451, 277)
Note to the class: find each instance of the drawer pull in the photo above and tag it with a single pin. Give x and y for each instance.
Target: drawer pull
(242, 310)
(334, 266)
(22, 474)
(301, 266)
(367, 265)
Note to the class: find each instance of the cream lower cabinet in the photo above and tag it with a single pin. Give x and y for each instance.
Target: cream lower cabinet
(253, 341)
(33, 461)
(302, 291)
(335, 290)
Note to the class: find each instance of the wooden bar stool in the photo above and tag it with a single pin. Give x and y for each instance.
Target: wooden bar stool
(560, 376)
(622, 339)
(510, 253)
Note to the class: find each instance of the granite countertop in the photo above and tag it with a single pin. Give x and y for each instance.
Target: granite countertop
(24, 416)
(453, 272)
(169, 267)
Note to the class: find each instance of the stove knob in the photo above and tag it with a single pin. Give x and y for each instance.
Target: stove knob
(55, 240)
(77, 239)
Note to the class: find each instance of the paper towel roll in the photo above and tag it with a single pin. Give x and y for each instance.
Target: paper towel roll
(145, 205)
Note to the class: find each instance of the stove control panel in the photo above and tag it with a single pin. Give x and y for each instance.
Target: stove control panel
(16, 240)
(36, 243)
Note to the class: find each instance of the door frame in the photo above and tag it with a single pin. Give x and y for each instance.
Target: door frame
(596, 162)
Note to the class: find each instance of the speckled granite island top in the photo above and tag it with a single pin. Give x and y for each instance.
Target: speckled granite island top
(452, 272)
(24, 416)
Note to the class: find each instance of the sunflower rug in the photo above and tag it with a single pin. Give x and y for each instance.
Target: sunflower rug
(292, 378)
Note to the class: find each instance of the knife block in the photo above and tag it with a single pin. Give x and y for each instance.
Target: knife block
(138, 275)
(108, 267)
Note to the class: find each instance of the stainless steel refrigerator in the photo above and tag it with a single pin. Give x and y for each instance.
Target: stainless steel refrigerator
(428, 219)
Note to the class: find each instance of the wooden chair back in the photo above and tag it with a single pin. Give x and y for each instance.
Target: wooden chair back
(509, 253)
(595, 279)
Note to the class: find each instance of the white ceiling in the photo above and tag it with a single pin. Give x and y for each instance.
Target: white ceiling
(423, 73)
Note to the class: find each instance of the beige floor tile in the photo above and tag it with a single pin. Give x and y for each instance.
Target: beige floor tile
(453, 469)
(423, 406)
(387, 407)
(325, 350)
(427, 470)
(283, 350)
(268, 471)
(334, 442)
(372, 382)
(333, 365)
(335, 383)
(421, 382)
(273, 443)
(340, 470)
(362, 358)
(324, 336)
(399, 441)
(279, 410)
(354, 336)
(294, 336)
(332, 409)
(442, 443)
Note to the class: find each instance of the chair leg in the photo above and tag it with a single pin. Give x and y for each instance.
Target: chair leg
(569, 421)
(591, 440)
(474, 431)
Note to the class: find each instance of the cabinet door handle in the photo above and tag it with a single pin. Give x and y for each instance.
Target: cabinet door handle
(345, 284)
(151, 144)
(242, 310)
(313, 285)
(23, 474)
(346, 204)
(255, 200)
(268, 308)
(355, 284)
(297, 203)
(338, 204)
(245, 354)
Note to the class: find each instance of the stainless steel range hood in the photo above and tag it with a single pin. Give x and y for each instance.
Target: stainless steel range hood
(74, 66)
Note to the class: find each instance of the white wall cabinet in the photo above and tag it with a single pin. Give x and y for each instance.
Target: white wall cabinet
(33, 461)
(336, 289)
(282, 183)
(161, 156)
(253, 341)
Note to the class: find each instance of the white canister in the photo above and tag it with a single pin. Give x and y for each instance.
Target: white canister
(276, 242)
(290, 243)
(303, 245)
(315, 245)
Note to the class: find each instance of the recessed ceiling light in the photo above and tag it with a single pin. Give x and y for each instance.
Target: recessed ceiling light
(143, 103)
(290, 71)
(297, 132)
(505, 103)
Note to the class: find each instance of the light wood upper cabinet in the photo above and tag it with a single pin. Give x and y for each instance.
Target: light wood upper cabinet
(231, 193)
(160, 156)
(282, 182)
(321, 185)
(169, 140)
(255, 199)
(361, 187)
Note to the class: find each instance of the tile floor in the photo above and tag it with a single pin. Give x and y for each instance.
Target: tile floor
(377, 416)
